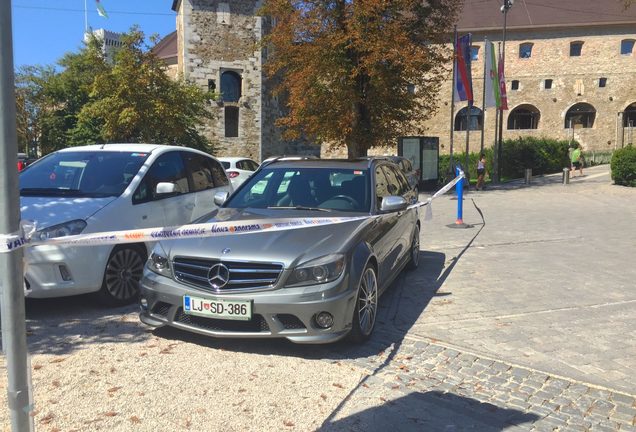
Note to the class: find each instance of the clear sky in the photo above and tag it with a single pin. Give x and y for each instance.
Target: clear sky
(44, 30)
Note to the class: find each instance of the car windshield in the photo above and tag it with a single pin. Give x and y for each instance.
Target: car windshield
(81, 174)
(305, 188)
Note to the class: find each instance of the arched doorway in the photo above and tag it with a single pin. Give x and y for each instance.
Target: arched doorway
(476, 119)
(524, 117)
(580, 115)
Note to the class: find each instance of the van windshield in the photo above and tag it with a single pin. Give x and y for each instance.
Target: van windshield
(81, 174)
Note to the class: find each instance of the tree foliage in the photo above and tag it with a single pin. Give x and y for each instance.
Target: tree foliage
(127, 99)
(347, 68)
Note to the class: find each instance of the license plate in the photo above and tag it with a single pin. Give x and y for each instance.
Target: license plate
(218, 308)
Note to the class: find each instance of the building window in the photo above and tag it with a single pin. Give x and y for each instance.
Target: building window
(231, 121)
(524, 117)
(629, 116)
(627, 46)
(580, 115)
(525, 50)
(230, 86)
(476, 119)
(602, 82)
(514, 85)
(410, 88)
(547, 84)
(576, 48)
(474, 53)
(211, 85)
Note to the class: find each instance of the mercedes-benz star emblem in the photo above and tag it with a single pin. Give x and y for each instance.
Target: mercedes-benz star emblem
(226, 251)
(218, 276)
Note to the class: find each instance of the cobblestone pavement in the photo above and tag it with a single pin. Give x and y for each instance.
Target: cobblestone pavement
(420, 385)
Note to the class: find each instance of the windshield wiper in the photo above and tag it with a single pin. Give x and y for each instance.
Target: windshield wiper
(299, 208)
(50, 191)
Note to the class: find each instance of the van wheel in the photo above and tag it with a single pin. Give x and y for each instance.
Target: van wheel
(122, 275)
(366, 308)
(414, 259)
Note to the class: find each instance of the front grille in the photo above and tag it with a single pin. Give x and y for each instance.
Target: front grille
(161, 308)
(243, 275)
(256, 325)
(290, 322)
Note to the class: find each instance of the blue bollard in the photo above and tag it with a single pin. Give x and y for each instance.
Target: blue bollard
(459, 188)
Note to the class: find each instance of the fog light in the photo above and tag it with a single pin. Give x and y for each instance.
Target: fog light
(143, 304)
(324, 320)
(66, 275)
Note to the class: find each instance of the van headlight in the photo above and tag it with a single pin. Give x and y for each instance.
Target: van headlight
(73, 227)
(320, 270)
(158, 261)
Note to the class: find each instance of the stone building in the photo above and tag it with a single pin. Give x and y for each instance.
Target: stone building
(570, 72)
(219, 48)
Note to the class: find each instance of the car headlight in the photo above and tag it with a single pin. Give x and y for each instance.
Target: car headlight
(158, 261)
(321, 270)
(73, 227)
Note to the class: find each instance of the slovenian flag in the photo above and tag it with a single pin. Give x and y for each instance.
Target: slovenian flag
(463, 87)
(100, 9)
(493, 99)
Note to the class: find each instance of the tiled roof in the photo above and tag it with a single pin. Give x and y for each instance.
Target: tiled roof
(167, 47)
(486, 14)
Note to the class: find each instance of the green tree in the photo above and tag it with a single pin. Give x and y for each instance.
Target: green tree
(29, 103)
(358, 72)
(135, 101)
(92, 99)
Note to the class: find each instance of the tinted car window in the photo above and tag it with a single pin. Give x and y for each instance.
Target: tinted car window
(396, 175)
(218, 174)
(253, 166)
(200, 171)
(381, 185)
(393, 184)
(169, 168)
(82, 173)
(225, 164)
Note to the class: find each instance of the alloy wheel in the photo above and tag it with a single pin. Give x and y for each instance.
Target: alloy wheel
(123, 273)
(368, 301)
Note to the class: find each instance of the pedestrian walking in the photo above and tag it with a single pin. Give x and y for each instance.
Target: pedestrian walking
(577, 160)
(570, 150)
(481, 171)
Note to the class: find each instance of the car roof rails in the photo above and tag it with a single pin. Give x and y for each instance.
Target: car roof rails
(271, 159)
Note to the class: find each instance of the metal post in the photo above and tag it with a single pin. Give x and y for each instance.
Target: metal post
(11, 269)
(452, 120)
(483, 101)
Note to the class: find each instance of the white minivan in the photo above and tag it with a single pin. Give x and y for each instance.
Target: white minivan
(109, 187)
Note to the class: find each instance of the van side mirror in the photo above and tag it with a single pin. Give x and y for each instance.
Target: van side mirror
(220, 197)
(164, 188)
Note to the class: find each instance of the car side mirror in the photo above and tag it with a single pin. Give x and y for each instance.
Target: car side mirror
(393, 203)
(220, 197)
(164, 188)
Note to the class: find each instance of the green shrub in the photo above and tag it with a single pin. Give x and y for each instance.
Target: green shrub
(543, 155)
(444, 164)
(624, 166)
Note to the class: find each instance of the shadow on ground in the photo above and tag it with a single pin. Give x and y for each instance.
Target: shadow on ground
(431, 411)
(63, 325)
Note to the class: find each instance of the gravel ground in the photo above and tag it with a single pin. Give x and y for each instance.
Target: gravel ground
(99, 369)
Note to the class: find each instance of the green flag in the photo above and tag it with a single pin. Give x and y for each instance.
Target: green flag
(100, 9)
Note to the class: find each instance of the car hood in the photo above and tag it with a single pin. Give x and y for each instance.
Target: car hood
(49, 211)
(289, 247)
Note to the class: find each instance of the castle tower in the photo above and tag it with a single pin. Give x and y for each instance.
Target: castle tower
(219, 48)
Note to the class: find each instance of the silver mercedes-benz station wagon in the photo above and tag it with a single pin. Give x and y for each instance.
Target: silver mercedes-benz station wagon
(314, 284)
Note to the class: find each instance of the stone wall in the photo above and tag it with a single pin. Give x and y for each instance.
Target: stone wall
(575, 79)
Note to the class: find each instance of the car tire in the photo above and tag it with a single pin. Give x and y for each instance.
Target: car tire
(366, 306)
(122, 275)
(414, 250)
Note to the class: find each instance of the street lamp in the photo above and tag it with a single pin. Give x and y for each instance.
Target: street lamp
(507, 4)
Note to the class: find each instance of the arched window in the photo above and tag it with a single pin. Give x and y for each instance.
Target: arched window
(230, 86)
(476, 119)
(525, 50)
(524, 117)
(580, 115)
(629, 116)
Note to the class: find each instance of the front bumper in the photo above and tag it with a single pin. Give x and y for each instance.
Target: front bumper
(58, 271)
(278, 313)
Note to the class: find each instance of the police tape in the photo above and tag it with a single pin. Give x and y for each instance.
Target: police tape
(25, 237)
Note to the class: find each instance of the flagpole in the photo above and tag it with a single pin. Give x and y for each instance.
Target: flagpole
(500, 127)
(452, 116)
(468, 115)
(483, 98)
(85, 18)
